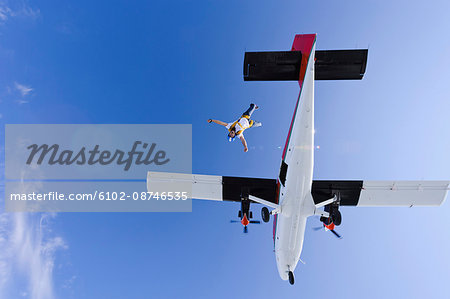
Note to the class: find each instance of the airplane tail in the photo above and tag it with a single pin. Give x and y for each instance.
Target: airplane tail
(285, 65)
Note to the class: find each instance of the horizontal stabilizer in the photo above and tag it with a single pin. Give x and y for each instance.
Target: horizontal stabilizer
(340, 64)
(285, 65)
(272, 66)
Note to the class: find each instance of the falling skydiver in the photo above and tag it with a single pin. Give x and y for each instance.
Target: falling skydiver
(238, 127)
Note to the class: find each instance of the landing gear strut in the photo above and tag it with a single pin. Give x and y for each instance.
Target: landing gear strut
(291, 278)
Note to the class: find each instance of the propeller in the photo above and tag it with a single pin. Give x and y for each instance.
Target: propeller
(336, 234)
(331, 230)
(245, 227)
(251, 221)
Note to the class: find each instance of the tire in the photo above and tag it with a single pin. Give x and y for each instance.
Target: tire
(239, 214)
(265, 215)
(337, 218)
(291, 278)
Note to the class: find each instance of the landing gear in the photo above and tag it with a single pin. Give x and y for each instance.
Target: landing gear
(265, 214)
(291, 278)
(325, 220)
(336, 217)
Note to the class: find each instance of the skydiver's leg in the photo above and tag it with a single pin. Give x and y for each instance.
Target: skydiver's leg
(257, 124)
(250, 110)
(254, 123)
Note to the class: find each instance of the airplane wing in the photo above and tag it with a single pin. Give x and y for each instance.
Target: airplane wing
(382, 193)
(352, 193)
(220, 188)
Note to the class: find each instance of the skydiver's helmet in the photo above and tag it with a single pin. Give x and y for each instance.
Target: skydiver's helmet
(231, 138)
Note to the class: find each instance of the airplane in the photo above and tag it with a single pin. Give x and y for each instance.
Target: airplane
(294, 196)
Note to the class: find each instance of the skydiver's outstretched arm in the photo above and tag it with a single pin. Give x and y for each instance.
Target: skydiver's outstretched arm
(217, 122)
(244, 143)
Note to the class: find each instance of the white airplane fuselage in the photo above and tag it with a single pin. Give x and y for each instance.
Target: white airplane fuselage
(295, 197)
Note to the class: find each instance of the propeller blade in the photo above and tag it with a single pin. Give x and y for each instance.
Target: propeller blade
(234, 221)
(245, 230)
(255, 221)
(317, 228)
(336, 234)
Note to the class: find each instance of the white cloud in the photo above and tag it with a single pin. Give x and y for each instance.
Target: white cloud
(5, 12)
(17, 9)
(23, 89)
(69, 282)
(27, 11)
(5, 267)
(22, 101)
(29, 251)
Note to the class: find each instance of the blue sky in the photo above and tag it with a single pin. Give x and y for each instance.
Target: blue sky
(181, 62)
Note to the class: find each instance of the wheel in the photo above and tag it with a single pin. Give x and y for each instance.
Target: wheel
(265, 215)
(291, 278)
(337, 218)
(239, 214)
(251, 214)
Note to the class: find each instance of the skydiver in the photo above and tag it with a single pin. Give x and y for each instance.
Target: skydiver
(238, 127)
